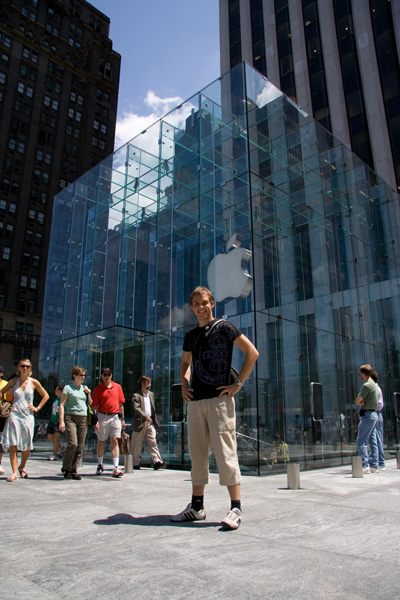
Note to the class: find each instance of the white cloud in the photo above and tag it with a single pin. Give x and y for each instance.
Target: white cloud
(133, 123)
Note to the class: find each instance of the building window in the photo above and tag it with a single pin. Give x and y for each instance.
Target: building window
(17, 353)
(19, 326)
(3, 77)
(31, 307)
(9, 230)
(33, 283)
(23, 281)
(6, 253)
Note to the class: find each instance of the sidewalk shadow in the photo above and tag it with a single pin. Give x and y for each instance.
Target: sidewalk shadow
(151, 521)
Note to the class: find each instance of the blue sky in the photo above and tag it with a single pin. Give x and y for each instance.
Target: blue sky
(169, 50)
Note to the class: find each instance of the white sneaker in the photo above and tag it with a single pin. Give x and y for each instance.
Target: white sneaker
(52, 457)
(374, 470)
(2, 471)
(232, 519)
(189, 514)
(117, 472)
(366, 470)
(382, 468)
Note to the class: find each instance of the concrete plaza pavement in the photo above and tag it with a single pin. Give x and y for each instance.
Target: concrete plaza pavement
(335, 538)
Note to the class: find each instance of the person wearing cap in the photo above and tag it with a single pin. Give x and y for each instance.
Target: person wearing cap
(4, 416)
(108, 401)
(144, 425)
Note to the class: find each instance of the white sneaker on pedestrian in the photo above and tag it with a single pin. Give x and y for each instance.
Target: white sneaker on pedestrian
(117, 472)
(52, 457)
(382, 468)
(189, 514)
(100, 469)
(366, 470)
(374, 469)
(232, 519)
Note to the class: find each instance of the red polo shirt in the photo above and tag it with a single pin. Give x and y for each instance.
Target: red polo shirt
(108, 399)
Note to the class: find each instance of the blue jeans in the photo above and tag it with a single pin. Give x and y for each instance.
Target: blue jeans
(379, 439)
(367, 435)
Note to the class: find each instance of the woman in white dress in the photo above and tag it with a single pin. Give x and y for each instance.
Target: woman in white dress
(19, 427)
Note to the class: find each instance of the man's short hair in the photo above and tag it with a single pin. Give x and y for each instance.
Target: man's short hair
(202, 290)
(77, 370)
(366, 369)
(374, 376)
(143, 379)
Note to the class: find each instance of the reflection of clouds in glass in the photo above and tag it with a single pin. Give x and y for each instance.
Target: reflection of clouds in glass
(268, 94)
(135, 179)
(133, 124)
(178, 317)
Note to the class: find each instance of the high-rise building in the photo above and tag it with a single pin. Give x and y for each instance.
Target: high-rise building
(337, 59)
(59, 79)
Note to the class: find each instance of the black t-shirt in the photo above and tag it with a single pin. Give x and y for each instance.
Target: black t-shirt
(211, 347)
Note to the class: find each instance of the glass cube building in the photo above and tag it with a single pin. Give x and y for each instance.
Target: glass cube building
(241, 191)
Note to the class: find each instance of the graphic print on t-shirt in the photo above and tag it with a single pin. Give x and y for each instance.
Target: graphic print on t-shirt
(211, 348)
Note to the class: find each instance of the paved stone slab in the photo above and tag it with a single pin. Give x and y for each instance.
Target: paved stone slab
(335, 538)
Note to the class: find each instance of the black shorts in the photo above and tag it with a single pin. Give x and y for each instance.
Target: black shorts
(52, 428)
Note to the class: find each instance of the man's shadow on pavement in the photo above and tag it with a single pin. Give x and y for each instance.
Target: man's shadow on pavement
(152, 521)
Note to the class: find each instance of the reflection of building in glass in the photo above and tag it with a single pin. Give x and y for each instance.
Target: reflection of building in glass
(133, 237)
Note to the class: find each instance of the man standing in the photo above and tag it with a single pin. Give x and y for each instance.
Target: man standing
(379, 426)
(367, 399)
(211, 413)
(109, 400)
(4, 414)
(144, 426)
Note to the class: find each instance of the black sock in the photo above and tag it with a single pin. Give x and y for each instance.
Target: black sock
(236, 504)
(197, 502)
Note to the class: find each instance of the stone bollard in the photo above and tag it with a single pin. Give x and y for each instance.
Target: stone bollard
(293, 476)
(398, 458)
(128, 463)
(356, 466)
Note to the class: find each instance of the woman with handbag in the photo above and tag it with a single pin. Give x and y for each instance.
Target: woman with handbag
(4, 412)
(74, 402)
(19, 428)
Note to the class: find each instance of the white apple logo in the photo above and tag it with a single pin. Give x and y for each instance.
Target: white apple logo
(227, 274)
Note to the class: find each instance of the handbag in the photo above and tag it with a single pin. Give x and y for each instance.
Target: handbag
(5, 409)
(124, 443)
(91, 416)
